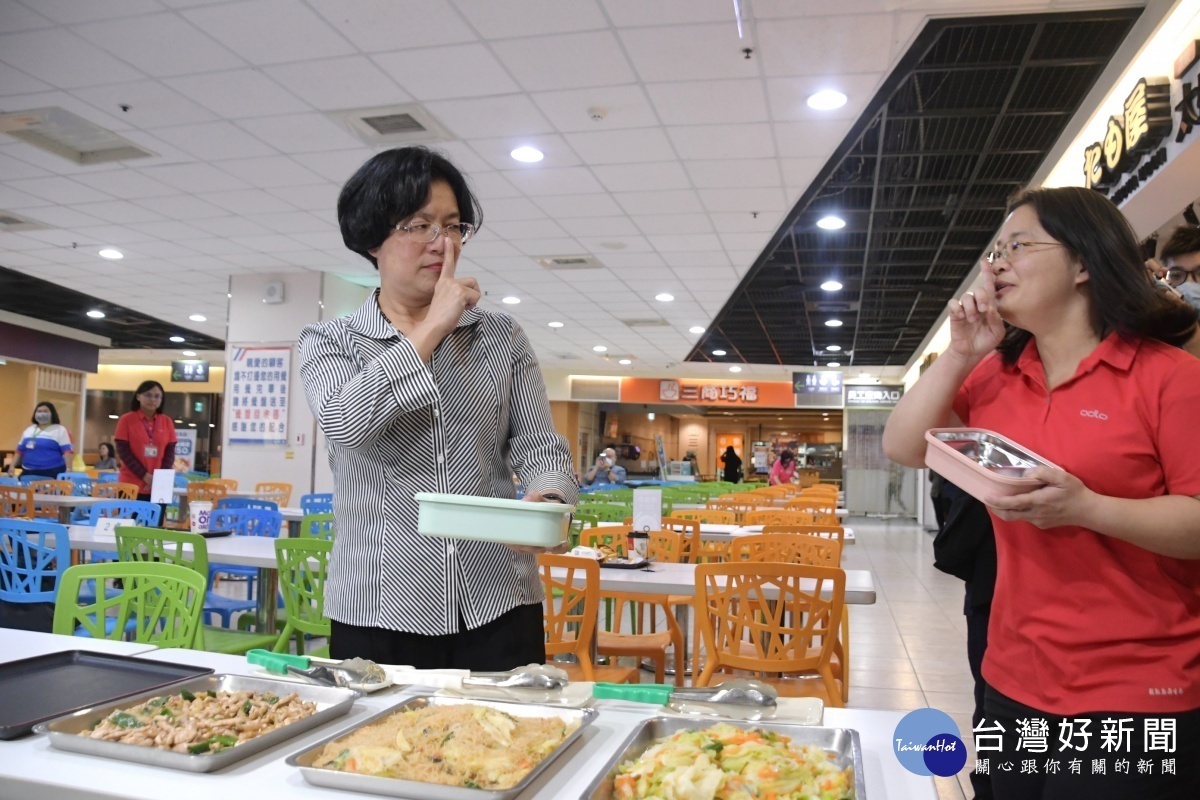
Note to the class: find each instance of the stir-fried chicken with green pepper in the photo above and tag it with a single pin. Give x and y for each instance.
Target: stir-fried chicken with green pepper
(203, 722)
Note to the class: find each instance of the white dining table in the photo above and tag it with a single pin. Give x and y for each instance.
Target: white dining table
(65, 502)
(30, 768)
(719, 532)
(17, 644)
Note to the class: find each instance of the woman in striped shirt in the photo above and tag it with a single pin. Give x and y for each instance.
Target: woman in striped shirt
(419, 390)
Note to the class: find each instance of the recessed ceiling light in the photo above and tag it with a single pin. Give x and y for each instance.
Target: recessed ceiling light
(664, 297)
(831, 223)
(625, 361)
(831, 286)
(735, 369)
(177, 339)
(198, 318)
(96, 314)
(827, 100)
(179, 421)
(555, 324)
(111, 254)
(833, 323)
(191, 424)
(783, 433)
(834, 364)
(718, 352)
(825, 415)
(212, 425)
(189, 353)
(512, 301)
(696, 329)
(600, 349)
(528, 155)
(834, 348)
(114, 416)
(864, 374)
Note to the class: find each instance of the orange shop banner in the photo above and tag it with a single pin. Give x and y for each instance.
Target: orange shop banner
(758, 394)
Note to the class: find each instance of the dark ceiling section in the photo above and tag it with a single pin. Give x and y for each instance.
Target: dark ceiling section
(34, 297)
(921, 181)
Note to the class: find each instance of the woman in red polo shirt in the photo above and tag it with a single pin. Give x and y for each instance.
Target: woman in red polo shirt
(1066, 347)
(145, 438)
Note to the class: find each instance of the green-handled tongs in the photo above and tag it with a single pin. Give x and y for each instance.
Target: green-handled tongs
(326, 672)
(741, 697)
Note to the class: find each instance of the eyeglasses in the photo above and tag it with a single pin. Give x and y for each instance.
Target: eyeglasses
(1009, 250)
(426, 232)
(1177, 276)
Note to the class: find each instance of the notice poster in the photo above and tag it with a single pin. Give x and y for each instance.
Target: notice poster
(258, 395)
(185, 449)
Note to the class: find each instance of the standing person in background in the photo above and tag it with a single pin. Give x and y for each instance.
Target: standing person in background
(45, 445)
(783, 471)
(107, 459)
(1181, 255)
(733, 465)
(145, 438)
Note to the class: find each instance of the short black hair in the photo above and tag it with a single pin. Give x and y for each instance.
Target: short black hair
(146, 386)
(1185, 239)
(111, 452)
(394, 185)
(53, 413)
(786, 456)
(1097, 233)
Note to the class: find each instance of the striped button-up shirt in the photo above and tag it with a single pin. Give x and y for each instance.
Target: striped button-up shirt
(461, 424)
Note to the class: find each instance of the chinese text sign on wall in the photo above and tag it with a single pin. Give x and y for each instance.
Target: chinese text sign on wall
(258, 395)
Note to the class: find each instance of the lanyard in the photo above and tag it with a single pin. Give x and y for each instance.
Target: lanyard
(149, 427)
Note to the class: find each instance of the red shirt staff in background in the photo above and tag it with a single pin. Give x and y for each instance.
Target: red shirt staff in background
(783, 471)
(145, 438)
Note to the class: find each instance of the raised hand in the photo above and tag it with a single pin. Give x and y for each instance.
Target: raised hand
(975, 324)
(451, 297)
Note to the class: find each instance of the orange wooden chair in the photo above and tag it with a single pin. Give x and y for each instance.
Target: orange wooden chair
(824, 531)
(115, 491)
(776, 516)
(823, 511)
(207, 490)
(16, 502)
(665, 546)
(281, 493)
(716, 516)
(570, 619)
(789, 639)
(230, 484)
(52, 487)
(688, 529)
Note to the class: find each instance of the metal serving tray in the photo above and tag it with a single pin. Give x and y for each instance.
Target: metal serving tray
(331, 703)
(416, 790)
(44, 687)
(842, 745)
(982, 462)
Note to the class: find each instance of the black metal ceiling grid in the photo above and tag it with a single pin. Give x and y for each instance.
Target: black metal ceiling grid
(921, 181)
(34, 297)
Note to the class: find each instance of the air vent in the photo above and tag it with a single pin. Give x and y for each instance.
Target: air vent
(648, 322)
(569, 262)
(14, 223)
(387, 125)
(599, 389)
(69, 136)
(831, 306)
(566, 356)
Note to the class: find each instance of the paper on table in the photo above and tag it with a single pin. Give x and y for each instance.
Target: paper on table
(107, 526)
(162, 489)
(647, 509)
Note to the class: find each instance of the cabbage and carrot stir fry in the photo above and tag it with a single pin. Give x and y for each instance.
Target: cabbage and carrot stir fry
(729, 763)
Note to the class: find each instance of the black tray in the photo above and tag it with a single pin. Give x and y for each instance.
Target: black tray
(616, 564)
(216, 534)
(44, 687)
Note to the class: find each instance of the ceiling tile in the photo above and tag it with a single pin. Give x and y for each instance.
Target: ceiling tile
(257, 95)
(151, 104)
(299, 133)
(160, 44)
(58, 216)
(673, 224)
(12, 168)
(530, 17)
(802, 139)
(182, 207)
(488, 117)
(335, 83)
(508, 209)
(246, 202)
(599, 226)
(497, 153)
(745, 200)
(40, 54)
(798, 172)
(126, 184)
(826, 45)
(296, 33)
(423, 74)
(674, 202)
(119, 211)
(637, 13)
(565, 180)
(546, 247)
(642, 177)
(378, 25)
(565, 206)
(269, 172)
(788, 97)
(53, 188)
(213, 141)
(708, 102)
(568, 61)
(17, 17)
(723, 141)
(621, 262)
(228, 227)
(672, 243)
(14, 82)
(688, 53)
(734, 173)
(527, 229)
(489, 185)
(617, 106)
(195, 178)
(622, 146)
(320, 198)
(742, 223)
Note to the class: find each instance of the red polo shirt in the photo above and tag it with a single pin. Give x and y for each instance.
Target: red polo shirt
(134, 428)
(1081, 621)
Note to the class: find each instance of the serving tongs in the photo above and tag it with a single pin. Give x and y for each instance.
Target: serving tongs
(740, 698)
(535, 683)
(354, 673)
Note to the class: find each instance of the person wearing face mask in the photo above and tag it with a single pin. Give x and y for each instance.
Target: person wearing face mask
(145, 438)
(45, 445)
(420, 390)
(1181, 255)
(606, 470)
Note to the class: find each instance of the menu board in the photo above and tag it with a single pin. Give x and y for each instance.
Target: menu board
(258, 395)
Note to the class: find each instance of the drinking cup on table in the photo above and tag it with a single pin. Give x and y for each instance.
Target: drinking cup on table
(641, 543)
(200, 510)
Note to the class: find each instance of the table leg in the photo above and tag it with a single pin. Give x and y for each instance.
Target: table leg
(268, 588)
(64, 515)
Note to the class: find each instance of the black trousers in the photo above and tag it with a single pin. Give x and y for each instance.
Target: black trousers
(1127, 772)
(977, 630)
(513, 639)
(52, 472)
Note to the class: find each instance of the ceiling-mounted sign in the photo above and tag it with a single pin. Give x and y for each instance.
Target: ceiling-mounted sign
(189, 372)
(817, 382)
(1144, 122)
(876, 396)
(711, 392)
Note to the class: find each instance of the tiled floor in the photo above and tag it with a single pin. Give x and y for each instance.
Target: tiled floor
(909, 649)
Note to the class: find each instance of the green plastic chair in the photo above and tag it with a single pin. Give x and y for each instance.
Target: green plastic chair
(303, 570)
(578, 523)
(154, 545)
(318, 526)
(159, 604)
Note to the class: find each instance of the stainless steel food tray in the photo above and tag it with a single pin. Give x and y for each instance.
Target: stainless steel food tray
(415, 790)
(991, 451)
(64, 731)
(842, 745)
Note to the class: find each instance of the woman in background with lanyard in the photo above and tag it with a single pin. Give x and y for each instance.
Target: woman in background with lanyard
(45, 445)
(145, 439)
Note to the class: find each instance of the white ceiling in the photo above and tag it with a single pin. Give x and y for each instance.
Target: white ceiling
(677, 189)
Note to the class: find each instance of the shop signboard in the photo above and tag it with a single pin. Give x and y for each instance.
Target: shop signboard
(873, 396)
(709, 392)
(189, 372)
(257, 385)
(817, 389)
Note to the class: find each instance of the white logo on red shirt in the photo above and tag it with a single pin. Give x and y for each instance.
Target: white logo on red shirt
(1093, 413)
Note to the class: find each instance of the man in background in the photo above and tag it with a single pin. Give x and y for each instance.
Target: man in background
(605, 470)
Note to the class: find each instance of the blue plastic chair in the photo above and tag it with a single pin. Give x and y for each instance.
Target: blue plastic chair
(252, 503)
(109, 477)
(141, 512)
(6, 480)
(30, 568)
(317, 503)
(27, 479)
(243, 522)
(70, 476)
